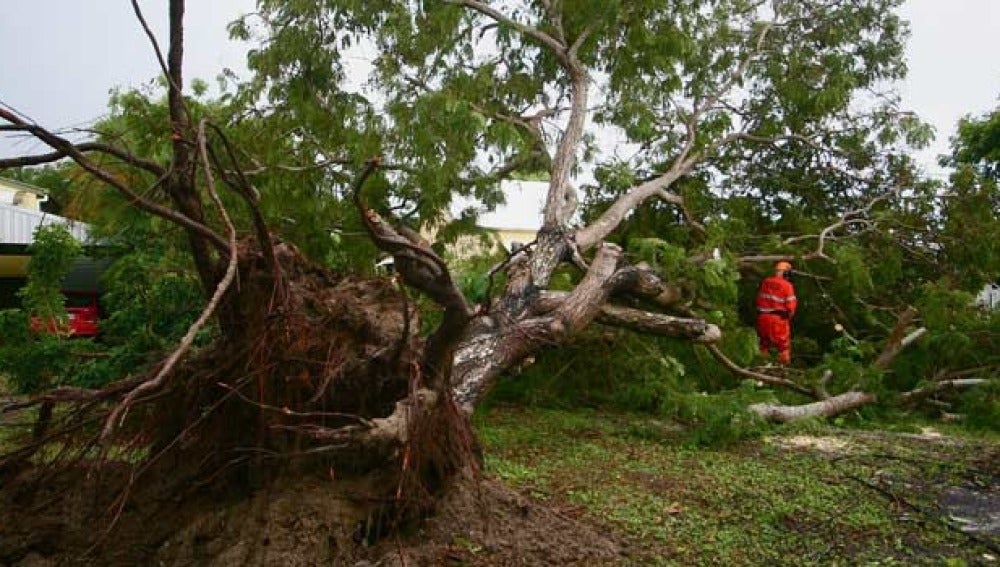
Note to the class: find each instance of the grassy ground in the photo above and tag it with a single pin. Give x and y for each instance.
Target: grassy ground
(816, 496)
(806, 495)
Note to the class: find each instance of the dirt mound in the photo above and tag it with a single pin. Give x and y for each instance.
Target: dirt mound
(484, 524)
(313, 521)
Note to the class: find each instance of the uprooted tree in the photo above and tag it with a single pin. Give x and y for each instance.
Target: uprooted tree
(697, 115)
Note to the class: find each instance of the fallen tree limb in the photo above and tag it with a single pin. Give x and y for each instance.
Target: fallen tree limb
(829, 406)
(697, 330)
(640, 280)
(834, 405)
(84, 147)
(825, 408)
(918, 394)
(765, 378)
(898, 339)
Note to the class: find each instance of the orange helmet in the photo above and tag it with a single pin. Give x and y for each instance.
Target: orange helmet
(783, 266)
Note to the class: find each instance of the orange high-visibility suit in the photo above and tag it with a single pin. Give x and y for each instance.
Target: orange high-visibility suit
(776, 304)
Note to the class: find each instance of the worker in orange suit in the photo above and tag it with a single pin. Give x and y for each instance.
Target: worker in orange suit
(776, 304)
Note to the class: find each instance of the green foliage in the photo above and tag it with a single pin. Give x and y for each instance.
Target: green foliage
(31, 363)
(970, 228)
(981, 407)
(149, 304)
(722, 419)
(717, 279)
(35, 361)
(473, 277)
(978, 144)
(853, 275)
(637, 373)
(52, 254)
(668, 258)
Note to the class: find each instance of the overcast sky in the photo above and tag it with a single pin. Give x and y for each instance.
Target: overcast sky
(60, 58)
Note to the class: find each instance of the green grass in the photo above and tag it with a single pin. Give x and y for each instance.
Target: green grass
(753, 503)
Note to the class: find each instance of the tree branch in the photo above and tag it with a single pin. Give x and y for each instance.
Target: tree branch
(898, 339)
(580, 306)
(84, 147)
(765, 378)
(855, 216)
(691, 124)
(557, 47)
(158, 381)
(421, 268)
(64, 146)
(638, 320)
(681, 203)
(251, 196)
(824, 408)
(641, 281)
(596, 231)
(918, 394)
(685, 161)
(156, 46)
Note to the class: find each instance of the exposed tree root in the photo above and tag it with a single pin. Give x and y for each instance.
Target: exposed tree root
(326, 379)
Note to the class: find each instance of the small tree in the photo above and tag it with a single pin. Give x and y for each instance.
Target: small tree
(34, 352)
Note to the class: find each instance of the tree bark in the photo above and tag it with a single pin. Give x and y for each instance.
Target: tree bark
(494, 344)
(825, 408)
(649, 322)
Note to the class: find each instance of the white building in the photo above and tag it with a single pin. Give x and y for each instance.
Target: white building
(517, 221)
(20, 194)
(511, 224)
(20, 215)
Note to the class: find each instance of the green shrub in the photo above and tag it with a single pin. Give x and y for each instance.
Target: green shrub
(981, 407)
(149, 304)
(624, 371)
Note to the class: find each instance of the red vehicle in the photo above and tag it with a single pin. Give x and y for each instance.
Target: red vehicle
(84, 317)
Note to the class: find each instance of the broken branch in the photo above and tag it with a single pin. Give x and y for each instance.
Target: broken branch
(159, 380)
(759, 376)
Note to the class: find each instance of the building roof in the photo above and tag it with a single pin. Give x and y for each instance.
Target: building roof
(15, 185)
(18, 224)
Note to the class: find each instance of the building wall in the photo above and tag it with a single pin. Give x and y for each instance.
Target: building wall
(15, 193)
(17, 224)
